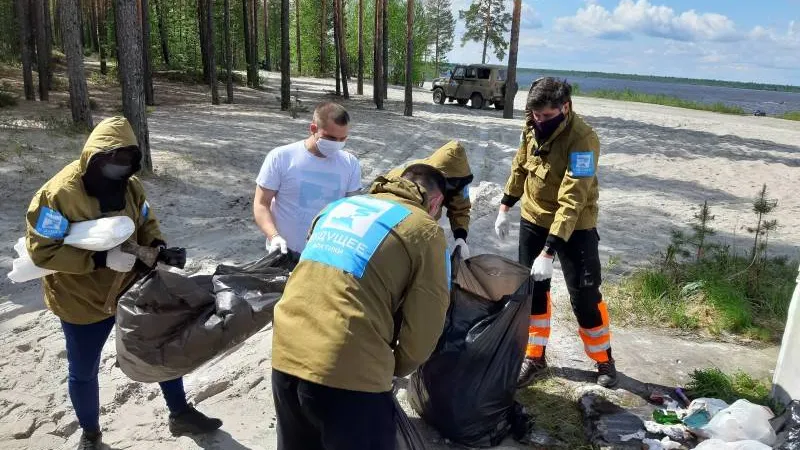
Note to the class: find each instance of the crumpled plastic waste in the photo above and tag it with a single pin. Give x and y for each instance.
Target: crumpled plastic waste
(639, 435)
(664, 444)
(701, 411)
(674, 432)
(718, 444)
(742, 421)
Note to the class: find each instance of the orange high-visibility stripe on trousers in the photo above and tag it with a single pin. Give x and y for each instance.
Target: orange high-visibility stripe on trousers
(538, 333)
(597, 340)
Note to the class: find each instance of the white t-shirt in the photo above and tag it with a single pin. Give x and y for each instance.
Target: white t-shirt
(305, 184)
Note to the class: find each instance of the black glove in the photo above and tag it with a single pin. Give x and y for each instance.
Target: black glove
(173, 256)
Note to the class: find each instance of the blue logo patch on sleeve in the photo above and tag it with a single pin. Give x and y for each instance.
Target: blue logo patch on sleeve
(51, 224)
(465, 192)
(145, 210)
(581, 164)
(349, 232)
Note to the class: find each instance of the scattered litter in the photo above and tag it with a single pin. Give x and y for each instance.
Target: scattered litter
(666, 417)
(701, 411)
(664, 444)
(740, 422)
(674, 432)
(789, 428)
(718, 444)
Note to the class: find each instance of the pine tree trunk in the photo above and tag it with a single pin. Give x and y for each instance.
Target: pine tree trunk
(59, 38)
(323, 38)
(201, 28)
(341, 49)
(377, 74)
(25, 39)
(297, 32)
(438, 37)
(286, 83)
(228, 52)
(147, 67)
(48, 27)
(511, 77)
(488, 23)
(130, 69)
(94, 24)
(247, 44)
(78, 91)
(162, 29)
(42, 49)
(267, 61)
(254, 44)
(385, 53)
(409, 109)
(101, 25)
(360, 88)
(212, 62)
(338, 62)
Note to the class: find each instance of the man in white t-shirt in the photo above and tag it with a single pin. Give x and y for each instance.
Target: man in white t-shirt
(298, 180)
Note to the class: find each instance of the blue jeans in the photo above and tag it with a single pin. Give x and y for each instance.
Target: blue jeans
(84, 345)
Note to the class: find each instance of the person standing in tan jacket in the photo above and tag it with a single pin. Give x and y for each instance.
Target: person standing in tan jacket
(554, 173)
(366, 303)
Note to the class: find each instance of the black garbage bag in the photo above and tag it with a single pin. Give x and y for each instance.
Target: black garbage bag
(170, 324)
(466, 389)
(408, 438)
(789, 433)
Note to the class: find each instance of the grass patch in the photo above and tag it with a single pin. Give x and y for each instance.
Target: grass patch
(700, 284)
(555, 411)
(629, 95)
(793, 115)
(714, 383)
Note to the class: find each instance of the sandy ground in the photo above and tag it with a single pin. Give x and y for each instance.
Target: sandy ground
(657, 164)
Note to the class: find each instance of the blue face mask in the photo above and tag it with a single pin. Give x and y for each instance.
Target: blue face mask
(116, 171)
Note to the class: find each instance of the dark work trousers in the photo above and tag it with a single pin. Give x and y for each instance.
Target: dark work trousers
(580, 264)
(84, 345)
(316, 417)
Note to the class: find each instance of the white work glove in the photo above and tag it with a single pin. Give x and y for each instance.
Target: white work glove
(542, 268)
(278, 242)
(464, 248)
(119, 261)
(501, 225)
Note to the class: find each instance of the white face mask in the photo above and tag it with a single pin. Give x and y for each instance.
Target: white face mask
(329, 148)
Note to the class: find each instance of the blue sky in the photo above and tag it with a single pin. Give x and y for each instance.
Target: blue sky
(738, 40)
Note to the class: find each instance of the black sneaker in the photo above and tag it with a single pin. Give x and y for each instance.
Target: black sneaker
(530, 368)
(607, 374)
(192, 421)
(91, 441)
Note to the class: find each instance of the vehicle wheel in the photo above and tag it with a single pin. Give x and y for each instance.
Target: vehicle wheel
(462, 101)
(476, 101)
(499, 106)
(438, 96)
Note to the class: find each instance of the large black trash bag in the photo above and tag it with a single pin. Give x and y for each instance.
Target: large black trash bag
(789, 433)
(408, 438)
(466, 389)
(169, 324)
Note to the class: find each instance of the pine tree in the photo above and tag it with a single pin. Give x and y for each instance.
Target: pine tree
(442, 25)
(487, 21)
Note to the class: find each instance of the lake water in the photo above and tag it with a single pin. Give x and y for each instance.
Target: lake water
(771, 102)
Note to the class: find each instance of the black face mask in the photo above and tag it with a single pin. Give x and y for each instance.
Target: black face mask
(543, 130)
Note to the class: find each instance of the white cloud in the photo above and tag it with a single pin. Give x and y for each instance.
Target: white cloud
(642, 17)
(529, 17)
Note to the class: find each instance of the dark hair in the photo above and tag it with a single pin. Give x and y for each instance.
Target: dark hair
(548, 92)
(330, 112)
(431, 179)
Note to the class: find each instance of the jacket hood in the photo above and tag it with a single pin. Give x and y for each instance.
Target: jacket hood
(112, 133)
(450, 159)
(400, 187)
